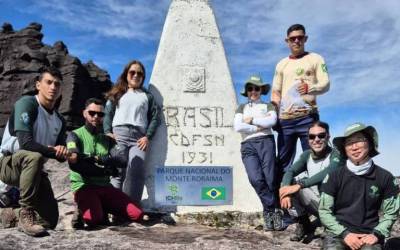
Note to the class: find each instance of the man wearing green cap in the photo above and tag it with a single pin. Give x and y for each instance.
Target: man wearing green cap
(254, 121)
(353, 196)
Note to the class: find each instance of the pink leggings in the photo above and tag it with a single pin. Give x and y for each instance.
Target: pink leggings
(94, 201)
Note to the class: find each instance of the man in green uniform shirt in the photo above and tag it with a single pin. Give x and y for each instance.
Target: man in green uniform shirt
(302, 196)
(359, 201)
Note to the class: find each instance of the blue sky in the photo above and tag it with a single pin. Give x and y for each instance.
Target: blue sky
(360, 41)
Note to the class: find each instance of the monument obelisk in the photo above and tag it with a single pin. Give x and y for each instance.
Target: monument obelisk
(191, 81)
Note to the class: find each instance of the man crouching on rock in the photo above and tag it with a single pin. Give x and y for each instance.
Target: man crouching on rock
(302, 196)
(359, 201)
(35, 131)
(92, 165)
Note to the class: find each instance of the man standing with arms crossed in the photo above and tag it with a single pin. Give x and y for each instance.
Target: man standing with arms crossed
(298, 79)
(35, 131)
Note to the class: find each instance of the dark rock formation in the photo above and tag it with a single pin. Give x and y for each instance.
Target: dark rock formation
(22, 55)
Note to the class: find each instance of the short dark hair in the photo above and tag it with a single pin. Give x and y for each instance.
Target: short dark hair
(50, 70)
(320, 124)
(94, 100)
(294, 27)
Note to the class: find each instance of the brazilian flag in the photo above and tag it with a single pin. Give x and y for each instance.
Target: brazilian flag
(213, 193)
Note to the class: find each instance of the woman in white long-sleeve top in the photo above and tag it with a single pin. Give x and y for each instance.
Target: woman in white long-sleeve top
(254, 121)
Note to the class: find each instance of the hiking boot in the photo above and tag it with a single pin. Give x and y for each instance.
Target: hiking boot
(298, 233)
(303, 228)
(8, 218)
(268, 221)
(27, 224)
(77, 220)
(277, 219)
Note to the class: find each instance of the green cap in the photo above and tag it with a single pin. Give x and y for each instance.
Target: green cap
(257, 81)
(354, 128)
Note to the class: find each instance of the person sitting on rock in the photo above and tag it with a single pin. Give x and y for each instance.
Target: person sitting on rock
(34, 132)
(254, 121)
(302, 195)
(92, 162)
(359, 201)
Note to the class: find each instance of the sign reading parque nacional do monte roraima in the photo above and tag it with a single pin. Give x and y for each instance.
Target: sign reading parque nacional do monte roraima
(191, 185)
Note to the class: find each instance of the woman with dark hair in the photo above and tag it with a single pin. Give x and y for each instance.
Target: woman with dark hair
(131, 118)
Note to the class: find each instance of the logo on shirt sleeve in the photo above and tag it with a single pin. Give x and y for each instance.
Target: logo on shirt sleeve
(25, 118)
(324, 68)
(326, 179)
(395, 181)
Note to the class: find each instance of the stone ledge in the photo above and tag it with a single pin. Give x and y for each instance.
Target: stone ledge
(227, 219)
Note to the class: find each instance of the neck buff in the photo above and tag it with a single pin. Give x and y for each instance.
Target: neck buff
(359, 169)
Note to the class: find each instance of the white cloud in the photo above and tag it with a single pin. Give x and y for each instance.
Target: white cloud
(140, 20)
(359, 39)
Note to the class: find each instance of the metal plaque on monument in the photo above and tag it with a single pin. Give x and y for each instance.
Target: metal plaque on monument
(194, 164)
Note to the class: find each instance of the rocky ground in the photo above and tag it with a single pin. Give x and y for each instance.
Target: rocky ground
(186, 234)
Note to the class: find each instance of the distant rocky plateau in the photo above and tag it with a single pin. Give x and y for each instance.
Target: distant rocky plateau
(23, 54)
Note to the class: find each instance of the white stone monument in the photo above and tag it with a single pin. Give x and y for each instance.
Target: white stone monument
(192, 83)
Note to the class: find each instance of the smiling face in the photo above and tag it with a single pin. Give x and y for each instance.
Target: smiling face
(253, 92)
(49, 89)
(318, 139)
(135, 76)
(357, 148)
(296, 40)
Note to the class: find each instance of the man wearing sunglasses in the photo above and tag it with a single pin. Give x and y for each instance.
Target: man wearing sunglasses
(359, 201)
(301, 195)
(93, 159)
(35, 131)
(298, 79)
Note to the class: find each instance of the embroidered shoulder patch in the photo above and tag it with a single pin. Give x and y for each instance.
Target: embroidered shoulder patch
(395, 181)
(324, 68)
(326, 179)
(25, 118)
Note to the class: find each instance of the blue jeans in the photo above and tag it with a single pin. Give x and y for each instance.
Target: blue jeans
(132, 178)
(258, 156)
(288, 133)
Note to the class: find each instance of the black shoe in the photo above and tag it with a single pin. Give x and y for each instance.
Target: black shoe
(303, 228)
(277, 219)
(268, 221)
(298, 233)
(77, 220)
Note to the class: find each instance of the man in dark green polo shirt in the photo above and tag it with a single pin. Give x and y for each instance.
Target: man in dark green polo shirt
(35, 131)
(354, 196)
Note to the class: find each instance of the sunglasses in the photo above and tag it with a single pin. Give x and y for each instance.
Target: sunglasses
(255, 88)
(320, 136)
(294, 38)
(93, 113)
(134, 72)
